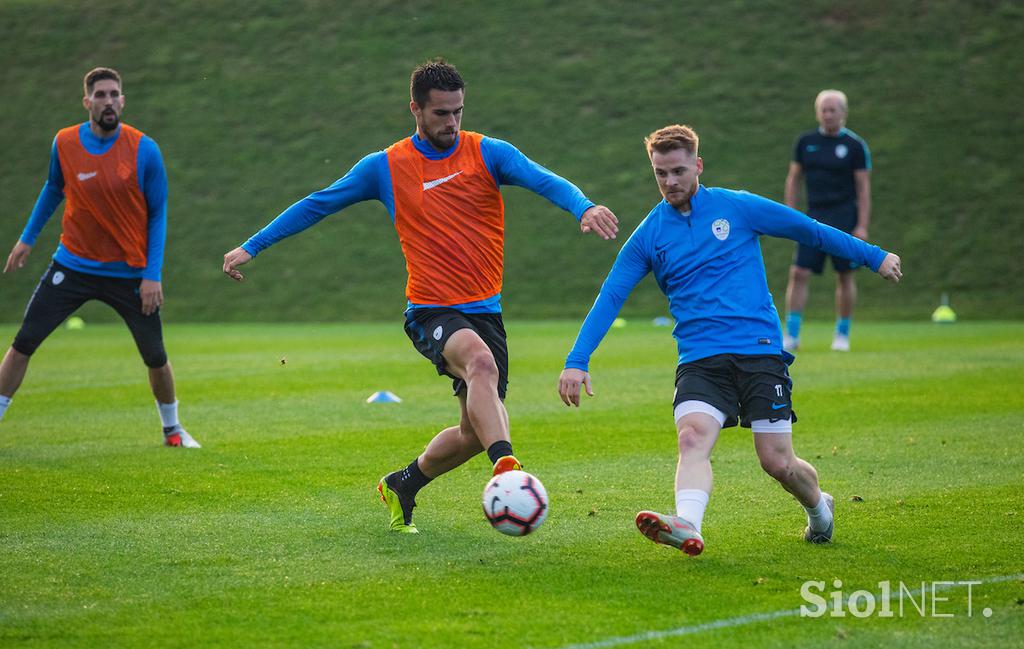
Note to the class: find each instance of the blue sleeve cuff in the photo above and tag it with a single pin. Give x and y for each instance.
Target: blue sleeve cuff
(575, 364)
(879, 257)
(582, 208)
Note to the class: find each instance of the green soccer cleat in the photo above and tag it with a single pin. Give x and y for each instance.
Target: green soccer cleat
(826, 536)
(670, 530)
(401, 512)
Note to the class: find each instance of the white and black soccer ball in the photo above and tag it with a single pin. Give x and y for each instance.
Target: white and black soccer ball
(515, 503)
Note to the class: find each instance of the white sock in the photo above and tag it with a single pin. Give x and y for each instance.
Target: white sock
(4, 402)
(168, 413)
(819, 517)
(690, 505)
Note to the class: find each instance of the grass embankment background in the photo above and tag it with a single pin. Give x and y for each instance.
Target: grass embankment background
(256, 108)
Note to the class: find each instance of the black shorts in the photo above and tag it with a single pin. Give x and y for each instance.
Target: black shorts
(61, 291)
(430, 328)
(842, 217)
(746, 388)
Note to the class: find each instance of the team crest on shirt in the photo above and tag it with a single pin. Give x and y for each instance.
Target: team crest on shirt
(720, 228)
(124, 170)
(841, 151)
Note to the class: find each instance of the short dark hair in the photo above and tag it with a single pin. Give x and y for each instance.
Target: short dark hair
(99, 74)
(435, 74)
(670, 138)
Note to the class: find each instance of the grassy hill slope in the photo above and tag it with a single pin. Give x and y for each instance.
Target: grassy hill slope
(256, 107)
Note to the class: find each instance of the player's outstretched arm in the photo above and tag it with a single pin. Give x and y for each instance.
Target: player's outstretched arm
(18, 255)
(601, 220)
(569, 386)
(233, 260)
(890, 268)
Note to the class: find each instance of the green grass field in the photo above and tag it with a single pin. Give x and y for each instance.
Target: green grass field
(272, 534)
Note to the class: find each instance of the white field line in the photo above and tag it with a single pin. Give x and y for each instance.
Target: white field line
(743, 620)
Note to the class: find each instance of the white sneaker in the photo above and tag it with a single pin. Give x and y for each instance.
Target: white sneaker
(841, 343)
(789, 343)
(179, 437)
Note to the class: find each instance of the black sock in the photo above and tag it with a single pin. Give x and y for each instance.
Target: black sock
(411, 479)
(499, 450)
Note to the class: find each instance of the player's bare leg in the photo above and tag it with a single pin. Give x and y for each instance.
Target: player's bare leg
(697, 433)
(775, 451)
(846, 297)
(796, 300)
(161, 381)
(798, 477)
(846, 293)
(12, 372)
(468, 357)
(483, 425)
(451, 447)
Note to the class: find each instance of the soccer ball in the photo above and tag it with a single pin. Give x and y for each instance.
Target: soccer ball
(515, 503)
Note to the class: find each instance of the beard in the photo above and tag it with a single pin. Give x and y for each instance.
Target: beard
(108, 121)
(682, 198)
(442, 141)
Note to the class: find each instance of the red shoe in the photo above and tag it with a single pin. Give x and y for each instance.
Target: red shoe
(670, 530)
(179, 438)
(507, 463)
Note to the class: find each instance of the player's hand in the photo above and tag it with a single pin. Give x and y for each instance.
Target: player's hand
(569, 386)
(17, 258)
(233, 260)
(890, 268)
(860, 232)
(152, 294)
(599, 219)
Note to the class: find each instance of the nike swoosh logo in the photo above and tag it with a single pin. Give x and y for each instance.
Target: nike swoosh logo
(779, 406)
(87, 176)
(440, 181)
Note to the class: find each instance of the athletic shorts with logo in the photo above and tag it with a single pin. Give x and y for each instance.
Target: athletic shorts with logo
(746, 388)
(430, 328)
(61, 291)
(842, 217)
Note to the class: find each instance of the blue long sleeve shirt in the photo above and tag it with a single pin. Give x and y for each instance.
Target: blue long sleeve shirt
(370, 179)
(153, 183)
(709, 265)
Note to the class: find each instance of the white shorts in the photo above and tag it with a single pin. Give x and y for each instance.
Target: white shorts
(756, 426)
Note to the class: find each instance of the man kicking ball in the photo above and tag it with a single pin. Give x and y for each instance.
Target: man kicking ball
(702, 244)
